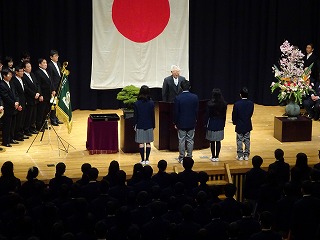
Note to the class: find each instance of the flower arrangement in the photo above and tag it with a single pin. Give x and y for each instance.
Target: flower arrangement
(293, 80)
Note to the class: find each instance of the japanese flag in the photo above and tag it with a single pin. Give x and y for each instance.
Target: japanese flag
(136, 42)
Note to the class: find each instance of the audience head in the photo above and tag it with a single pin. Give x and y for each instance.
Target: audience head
(315, 175)
(279, 154)
(32, 173)
(257, 161)
(162, 165)
(187, 212)
(147, 172)
(93, 174)
(121, 177)
(185, 85)
(113, 167)
(301, 161)
(100, 230)
(201, 198)
(7, 169)
(60, 169)
(137, 170)
(230, 190)
(244, 92)
(187, 163)
(266, 220)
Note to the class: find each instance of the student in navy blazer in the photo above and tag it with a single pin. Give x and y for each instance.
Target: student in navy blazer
(241, 117)
(216, 111)
(144, 121)
(185, 118)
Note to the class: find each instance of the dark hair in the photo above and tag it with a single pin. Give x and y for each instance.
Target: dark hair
(25, 55)
(24, 63)
(32, 173)
(217, 106)
(278, 154)
(19, 67)
(230, 190)
(7, 169)
(257, 161)
(93, 173)
(185, 85)
(40, 60)
(162, 165)
(244, 92)
(311, 45)
(7, 59)
(60, 169)
(187, 163)
(85, 167)
(113, 167)
(302, 161)
(203, 177)
(5, 71)
(266, 219)
(144, 93)
(53, 52)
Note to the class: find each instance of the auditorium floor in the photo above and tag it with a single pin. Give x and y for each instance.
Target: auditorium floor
(46, 154)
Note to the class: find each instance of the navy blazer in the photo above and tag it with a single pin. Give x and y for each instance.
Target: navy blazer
(144, 114)
(186, 110)
(170, 90)
(214, 122)
(9, 97)
(241, 115)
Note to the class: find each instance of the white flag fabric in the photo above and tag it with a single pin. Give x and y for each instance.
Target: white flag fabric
(135, 42)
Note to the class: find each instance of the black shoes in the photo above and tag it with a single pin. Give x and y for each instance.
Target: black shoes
(54, 124)
(6, 145)
(59, 122)
(14, 141)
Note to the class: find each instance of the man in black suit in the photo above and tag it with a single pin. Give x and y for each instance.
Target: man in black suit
(311, 58)
(171, 85)
(241, 117)
(185, 117)
(32, 93)
(312, 103)
(21, 115)
(46, 93)
(54, 71)
(11, 105)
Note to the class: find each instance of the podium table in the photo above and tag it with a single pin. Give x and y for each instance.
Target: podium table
(286, 130)
(165, 135)
(102, 137)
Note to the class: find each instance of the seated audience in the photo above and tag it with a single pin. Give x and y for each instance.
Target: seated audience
(8, 181)
(59, 179)
(162, 178)
(280, 168)
(231, 208)
(111, 177)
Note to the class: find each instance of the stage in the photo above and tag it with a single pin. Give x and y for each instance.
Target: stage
(46, 154)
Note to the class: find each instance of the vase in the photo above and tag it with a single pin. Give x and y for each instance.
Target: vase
(292, 110)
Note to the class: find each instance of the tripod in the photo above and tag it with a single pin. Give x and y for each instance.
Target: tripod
(45, 125)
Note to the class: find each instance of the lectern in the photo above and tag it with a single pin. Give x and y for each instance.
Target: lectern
(165, 135)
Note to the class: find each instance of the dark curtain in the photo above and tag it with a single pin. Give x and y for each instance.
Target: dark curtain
(232, 43)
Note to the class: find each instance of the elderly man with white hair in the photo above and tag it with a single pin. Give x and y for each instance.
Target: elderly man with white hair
(171, 85)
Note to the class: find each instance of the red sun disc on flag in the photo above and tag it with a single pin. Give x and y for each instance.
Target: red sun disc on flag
(140, 20)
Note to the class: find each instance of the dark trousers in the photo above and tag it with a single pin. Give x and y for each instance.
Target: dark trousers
(312, 107)
(53, 116)
(20, 118)
(8, 126)
(42, 112)
(30, 120)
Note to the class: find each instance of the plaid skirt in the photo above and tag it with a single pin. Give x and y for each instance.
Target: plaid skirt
(144, 136)
(215, 135)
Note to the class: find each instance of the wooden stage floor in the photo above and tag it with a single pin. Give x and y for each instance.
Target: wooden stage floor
(46, 154)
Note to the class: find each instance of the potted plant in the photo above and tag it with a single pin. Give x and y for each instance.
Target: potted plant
(128, 95)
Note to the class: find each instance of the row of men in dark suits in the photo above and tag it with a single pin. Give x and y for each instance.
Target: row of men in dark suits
(27, 98)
